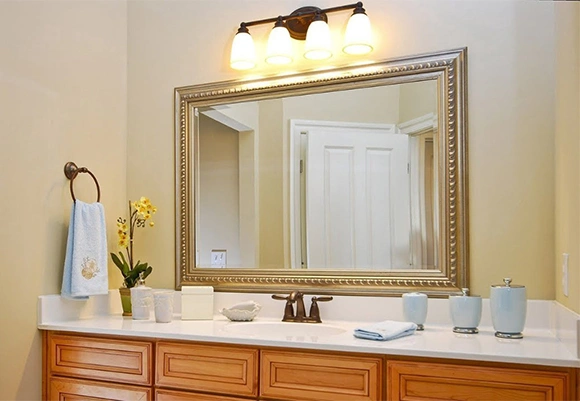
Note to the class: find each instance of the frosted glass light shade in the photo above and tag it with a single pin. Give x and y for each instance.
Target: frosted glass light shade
(279, 50)
(358, 35)
(243, 56)
(318, 42)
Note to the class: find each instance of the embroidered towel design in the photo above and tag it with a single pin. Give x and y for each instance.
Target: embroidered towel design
(85, 265)
(387, 330)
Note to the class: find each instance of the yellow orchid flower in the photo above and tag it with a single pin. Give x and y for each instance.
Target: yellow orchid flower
(139, 212)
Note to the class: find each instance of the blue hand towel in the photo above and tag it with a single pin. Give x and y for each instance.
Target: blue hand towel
(387, 330)
(85, 265)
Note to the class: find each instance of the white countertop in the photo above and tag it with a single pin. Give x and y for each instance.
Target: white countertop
(540, 345)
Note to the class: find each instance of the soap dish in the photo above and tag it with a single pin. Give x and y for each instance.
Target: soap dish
(242, 312)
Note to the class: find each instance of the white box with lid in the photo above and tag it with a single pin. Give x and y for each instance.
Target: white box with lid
(196, 303)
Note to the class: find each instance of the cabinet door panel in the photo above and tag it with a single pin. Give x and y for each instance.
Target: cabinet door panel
(63, 389)
(198, 367)
(117, 360)
(319, 377)
(431, 381)
(172, 395)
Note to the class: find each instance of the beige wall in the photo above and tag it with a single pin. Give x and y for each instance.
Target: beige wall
(379, 105)
(417, 100)
(567, 156)
(219, 192)
(271, 192)
(511, 111)
(63, 97)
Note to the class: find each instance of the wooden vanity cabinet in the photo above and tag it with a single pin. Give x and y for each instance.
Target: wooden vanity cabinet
(209, 368)
(296, 375)
(66, 389)
(86, 367)
(176, 395)
(410, 380)
(90, 367)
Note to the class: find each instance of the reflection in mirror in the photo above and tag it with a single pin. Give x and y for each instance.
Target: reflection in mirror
(344, 181)
(347, 181)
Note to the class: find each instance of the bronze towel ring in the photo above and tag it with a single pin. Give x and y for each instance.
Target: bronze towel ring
(71, 171)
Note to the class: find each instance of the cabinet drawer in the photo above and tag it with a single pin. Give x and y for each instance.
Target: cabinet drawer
(172, 395)
(293, 376)
(211, 368)
(435, 381)
(64, 389)
(115, 360)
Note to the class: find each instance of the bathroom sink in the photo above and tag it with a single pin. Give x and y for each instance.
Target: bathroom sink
(283, 329)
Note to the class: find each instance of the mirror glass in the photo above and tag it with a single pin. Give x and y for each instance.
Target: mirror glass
(344, 181)
(339, 180)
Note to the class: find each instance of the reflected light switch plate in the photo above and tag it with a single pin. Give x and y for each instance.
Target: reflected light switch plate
(565, 257)
(218, 258)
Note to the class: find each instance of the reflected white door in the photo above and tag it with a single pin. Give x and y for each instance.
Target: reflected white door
(357, 199)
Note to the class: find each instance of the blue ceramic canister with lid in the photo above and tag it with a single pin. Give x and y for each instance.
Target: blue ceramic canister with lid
(508, 309)
(465, 311)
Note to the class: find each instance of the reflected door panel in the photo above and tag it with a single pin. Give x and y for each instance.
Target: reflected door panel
(357, 198)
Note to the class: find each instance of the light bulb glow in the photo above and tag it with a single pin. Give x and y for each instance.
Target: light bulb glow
(243, 56)
(279, 49)
(358, 35)
(318, 42)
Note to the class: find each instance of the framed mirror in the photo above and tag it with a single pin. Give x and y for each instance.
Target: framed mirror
(345, 181)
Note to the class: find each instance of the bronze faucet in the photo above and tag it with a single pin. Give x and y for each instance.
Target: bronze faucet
(300, 315)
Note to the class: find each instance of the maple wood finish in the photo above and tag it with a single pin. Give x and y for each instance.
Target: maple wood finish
(89, 367)
(173, 395)
(116, 360)
(437, 381)
(211, 368)
(65, 389)
(292, 375)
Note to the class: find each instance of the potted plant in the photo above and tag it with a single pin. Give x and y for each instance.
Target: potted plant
(140, 213)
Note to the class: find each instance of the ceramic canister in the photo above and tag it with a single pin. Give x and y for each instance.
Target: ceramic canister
(163, 305)
(465, 312)
(508, 309)
(415, 308)
(141, 300)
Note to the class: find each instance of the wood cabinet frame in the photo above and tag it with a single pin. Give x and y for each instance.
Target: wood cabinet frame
(568, 379)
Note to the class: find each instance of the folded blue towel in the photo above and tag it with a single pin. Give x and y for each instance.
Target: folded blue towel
(387, 330)
(85, 265)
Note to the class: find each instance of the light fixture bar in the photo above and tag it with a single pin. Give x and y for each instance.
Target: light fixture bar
(300, 14)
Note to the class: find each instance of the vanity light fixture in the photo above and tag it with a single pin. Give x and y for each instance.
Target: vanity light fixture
(306, 23)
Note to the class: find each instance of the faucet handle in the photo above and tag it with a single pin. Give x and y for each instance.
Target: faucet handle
(314, 310)
(322, 299)
(288, 309)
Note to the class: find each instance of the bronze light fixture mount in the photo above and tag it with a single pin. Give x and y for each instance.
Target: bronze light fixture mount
(299, 20)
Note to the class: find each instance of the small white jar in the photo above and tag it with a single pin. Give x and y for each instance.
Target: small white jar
(465, 312)
(163, 305)
(415, 308)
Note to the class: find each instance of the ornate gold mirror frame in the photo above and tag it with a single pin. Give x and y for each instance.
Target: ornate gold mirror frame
(448, 69)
